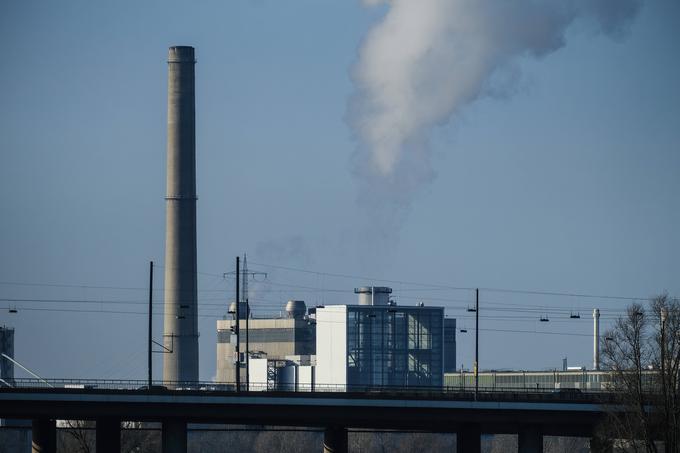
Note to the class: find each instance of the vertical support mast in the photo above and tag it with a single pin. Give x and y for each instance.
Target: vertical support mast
(180, 331)
(476, 342)
(236, 328)
(245, 298)
(150, 345)
(596, 339)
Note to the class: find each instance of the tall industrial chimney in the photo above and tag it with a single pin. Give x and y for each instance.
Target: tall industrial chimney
(596, 339)
(180, 332)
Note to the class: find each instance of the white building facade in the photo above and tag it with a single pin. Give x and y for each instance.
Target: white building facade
(363, 346)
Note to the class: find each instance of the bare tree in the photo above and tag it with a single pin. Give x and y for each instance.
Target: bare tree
(666, 313)
(499, 443)
(79, 436)
(642, 352)
(559, 444)
(136, 437)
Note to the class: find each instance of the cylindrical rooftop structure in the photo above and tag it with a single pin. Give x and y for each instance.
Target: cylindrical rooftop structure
(180, 332)
(373, 295)
(296, 309)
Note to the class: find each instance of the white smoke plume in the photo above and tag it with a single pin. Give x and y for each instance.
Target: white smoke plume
(427, 59)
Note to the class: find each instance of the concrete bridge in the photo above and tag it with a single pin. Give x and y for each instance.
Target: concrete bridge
(528, 414)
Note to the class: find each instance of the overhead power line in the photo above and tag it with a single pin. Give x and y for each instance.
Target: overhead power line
(363, 278)
(560, 294)
(83, 286)
(457, 288)
(216, 317)
(420, 286)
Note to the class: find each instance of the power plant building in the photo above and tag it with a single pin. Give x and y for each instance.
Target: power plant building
(271, 338)
(340, 347)
(377, 343)
(449, 345)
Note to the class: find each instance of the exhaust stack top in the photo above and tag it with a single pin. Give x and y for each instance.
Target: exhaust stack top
(180, 331)
(373, 295)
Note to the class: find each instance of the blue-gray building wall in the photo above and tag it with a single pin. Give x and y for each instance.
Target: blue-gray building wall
(395, 346)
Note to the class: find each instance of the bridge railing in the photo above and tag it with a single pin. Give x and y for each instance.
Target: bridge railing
(509, 393)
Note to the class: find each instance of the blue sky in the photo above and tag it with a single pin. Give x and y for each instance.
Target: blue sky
(566, 183)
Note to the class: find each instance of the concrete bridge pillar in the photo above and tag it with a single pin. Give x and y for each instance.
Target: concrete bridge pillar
(335, 439)
(530, 439)
(108, 435)
(174, 436)
(44, 436)
(469, 438)
(598, 445)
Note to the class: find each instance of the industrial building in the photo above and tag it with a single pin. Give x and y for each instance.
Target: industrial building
(449, 345)
(374, 342)
(276, 339)
(529, 380)
(378, 343)
(294, 373)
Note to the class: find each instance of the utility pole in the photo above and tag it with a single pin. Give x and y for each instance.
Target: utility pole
(236, 328)
(242, 298)
(476, 342)
(150, 321)
(245, 297)
(247, 348)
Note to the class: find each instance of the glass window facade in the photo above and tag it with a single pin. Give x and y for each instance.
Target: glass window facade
(395, 346)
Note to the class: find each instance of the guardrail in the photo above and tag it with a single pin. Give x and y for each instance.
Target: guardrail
(485, 393)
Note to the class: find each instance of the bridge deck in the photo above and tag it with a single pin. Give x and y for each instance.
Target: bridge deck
(556, 413)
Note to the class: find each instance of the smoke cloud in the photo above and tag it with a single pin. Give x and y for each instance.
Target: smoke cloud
(425, 60)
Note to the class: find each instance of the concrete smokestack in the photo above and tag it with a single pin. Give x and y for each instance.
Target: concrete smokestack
(596, 339)
(180, 332)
